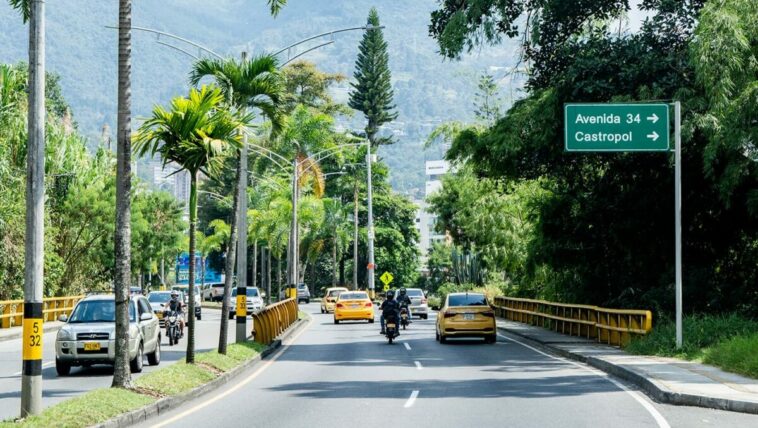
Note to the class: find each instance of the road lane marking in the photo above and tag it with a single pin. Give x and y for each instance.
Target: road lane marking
(411, 399)
(659, 419)
(244, 382)
(418, 365)
(47, 364)
(407, 346)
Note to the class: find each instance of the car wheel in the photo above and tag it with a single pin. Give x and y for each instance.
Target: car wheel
(137, 363)
(154, 358)
(199, 316)
(425, 316)
(370, 320)
(491, 339)
(323, 311)
(62, 368)
(443, 339)
(436, 335)
(307, 301)
(336, 321)
(231, 315)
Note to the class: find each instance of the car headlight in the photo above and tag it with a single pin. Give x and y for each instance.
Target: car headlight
(65, 334)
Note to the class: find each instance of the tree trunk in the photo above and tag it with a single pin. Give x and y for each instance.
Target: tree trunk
(255, 263)
(123, 235)
(355, 237)
(278, 275)
(163, 272)
(334, 261)
(191, 310)
(342, 271)
(202, 275)
(268, 272)
(231, 251)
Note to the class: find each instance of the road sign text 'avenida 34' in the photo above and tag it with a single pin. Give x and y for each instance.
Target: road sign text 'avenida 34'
(616, 127)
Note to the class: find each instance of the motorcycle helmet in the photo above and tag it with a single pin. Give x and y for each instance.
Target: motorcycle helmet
(174, 294)
(390, 295)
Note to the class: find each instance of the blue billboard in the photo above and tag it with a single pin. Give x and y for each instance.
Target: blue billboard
(182, 270)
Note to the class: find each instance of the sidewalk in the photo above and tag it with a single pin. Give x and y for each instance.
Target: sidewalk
(15, 332)
(666, 380)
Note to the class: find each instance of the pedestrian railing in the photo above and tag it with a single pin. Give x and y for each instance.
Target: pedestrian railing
(12, 311)
(611, 326)
(271, 321)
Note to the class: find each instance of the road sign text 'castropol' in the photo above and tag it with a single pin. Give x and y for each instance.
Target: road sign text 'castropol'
(616, 127)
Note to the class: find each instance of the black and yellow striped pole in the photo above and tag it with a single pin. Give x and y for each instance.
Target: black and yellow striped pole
(241, 330)
(31, 379)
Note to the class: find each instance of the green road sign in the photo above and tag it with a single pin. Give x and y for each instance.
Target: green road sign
(616, 127)
(386, 278)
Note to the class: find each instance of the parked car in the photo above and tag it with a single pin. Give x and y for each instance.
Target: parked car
(214, 292)
(303, 293)
(330, 299)
(185, 298)
(254, 301)
(419, 307)
(89, 334)
(466, 315)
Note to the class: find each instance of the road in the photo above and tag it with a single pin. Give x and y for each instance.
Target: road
(56, 389)
(347, 375)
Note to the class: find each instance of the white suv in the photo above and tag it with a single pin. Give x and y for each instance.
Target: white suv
(89, 335)
(419, 306)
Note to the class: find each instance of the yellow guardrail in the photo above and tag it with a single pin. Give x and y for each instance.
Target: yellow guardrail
(273, 320)
(12, 311)
(611, 326)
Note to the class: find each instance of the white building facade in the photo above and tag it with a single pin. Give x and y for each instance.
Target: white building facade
(425, 221)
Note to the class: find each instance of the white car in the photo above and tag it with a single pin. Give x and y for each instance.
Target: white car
(214, 292)
(419, 306)
(89, 334)
(198, 298)
(254, 301)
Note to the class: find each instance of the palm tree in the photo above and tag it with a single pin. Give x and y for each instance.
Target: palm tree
(196, 134)
(207, 244)
(246, 84)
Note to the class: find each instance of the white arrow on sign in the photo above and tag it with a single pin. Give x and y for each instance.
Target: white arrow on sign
(653, 118)
(654, 136)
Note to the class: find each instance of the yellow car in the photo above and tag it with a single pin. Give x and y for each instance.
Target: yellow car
(330, 299)
(353, 305)
(466, 315)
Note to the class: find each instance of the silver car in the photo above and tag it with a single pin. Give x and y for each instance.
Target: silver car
(419, 307)
(254, 301)
(88, 336)
(303, 293)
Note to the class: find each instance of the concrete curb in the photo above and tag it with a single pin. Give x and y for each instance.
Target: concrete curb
(19, 333)
(167, 404)
(652, 388)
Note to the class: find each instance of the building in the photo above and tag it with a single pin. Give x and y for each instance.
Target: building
(426, 221)
(169, 179)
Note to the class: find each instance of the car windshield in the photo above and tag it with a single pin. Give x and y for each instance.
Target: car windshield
(467, 300)
(98, 311)
(250, 292)
(353, 296)
(335, 293)
(414, 293)
(158, 297)
(301, 286)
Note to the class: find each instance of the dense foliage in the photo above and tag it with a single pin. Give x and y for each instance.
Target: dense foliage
(600, 228)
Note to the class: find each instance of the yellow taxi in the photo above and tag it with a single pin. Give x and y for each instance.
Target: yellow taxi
(353, 305)
(466, 315)
(330, 299)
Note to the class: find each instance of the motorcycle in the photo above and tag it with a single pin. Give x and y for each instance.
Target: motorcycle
(172, 328)
(390, 328)
(404, 317)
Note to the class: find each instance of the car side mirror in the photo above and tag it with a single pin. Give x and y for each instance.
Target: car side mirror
(147, 316)
(63, 318)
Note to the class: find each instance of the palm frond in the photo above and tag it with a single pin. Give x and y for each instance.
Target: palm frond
(24, 7)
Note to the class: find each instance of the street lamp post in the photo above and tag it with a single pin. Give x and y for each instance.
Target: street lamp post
(371, 266)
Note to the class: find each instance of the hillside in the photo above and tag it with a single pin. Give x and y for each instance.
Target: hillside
(428, 90)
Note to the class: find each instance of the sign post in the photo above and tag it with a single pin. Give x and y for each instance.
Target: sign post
(618, 127)
(386, 278)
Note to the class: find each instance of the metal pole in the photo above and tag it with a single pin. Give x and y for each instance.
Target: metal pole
(678, 217)
(371, 266)
(31, 378)
(293, 235)
(241, 335)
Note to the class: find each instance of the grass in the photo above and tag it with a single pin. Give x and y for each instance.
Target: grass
(729, 342)
(236, 354)
(88, 409)
(175, 379)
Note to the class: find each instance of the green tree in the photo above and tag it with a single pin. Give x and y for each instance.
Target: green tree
(307, 85)
(195, 134)
(372, 89)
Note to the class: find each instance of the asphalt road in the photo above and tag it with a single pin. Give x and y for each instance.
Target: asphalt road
(347, 375)
(56, 389)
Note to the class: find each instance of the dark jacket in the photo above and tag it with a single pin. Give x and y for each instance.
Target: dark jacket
(390, 308)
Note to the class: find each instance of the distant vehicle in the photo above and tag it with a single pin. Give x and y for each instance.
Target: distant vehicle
(213, 292)
(254, 301)
(158, 301)
(353, 305)
(185, 298)
(303, 294)
(419, 306)
(135, 290)
(88, 336)
(466, 315)
(330, 299)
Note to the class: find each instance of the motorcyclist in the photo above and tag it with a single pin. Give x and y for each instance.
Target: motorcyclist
(390, 309)
(405, 302)
(176, 305)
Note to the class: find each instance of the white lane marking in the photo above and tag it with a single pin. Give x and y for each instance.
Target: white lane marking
(47, 364)
(247, 380)
(407, 346)
(411, 399)
(659, 419)
(418, 365)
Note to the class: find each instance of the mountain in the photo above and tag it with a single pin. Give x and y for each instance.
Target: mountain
(428, 89)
